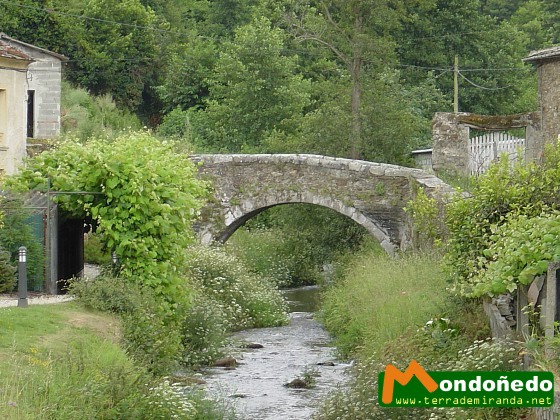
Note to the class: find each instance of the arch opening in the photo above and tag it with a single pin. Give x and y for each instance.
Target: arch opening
(370, 225)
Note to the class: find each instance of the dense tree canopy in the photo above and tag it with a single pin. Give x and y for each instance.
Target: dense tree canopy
(355, 78)
(297, 75)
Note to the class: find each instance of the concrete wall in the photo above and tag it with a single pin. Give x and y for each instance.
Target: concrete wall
(13, 97)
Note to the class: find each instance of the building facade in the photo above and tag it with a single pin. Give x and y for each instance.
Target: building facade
(547, 62)
(30, 91)
(44, 77)
(14, 64)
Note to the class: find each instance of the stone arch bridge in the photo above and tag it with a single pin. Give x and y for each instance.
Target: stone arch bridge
(371, 194)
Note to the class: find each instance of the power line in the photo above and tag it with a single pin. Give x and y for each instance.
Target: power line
(152, 28)
(450, 35)
(483, 87)
(489, 69)
(528, 68)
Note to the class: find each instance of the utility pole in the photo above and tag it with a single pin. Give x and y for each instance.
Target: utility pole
(456, 84)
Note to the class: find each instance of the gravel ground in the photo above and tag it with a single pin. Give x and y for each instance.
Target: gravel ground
(7, 300)
(33, 299)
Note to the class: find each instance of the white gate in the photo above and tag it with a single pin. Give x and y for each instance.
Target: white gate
(489, 147)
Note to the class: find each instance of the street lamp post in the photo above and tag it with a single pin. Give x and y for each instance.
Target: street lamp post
(22, 277)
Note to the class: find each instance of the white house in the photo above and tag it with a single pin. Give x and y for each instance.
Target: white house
(13, 106)
(30, 90)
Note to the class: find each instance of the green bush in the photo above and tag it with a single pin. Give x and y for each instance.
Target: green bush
(523, 189)
(7, 273)
(246, 299)
(292, 244)
(17, 231)
(226, 297)
(203, 332)
(149, 196)
(266, 253)
(84, 115)
(519, 250)
(151, 335)
(94, 250)
(424, 211)
(176, 125)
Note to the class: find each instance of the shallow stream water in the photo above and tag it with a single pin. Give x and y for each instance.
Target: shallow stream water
(256, 387)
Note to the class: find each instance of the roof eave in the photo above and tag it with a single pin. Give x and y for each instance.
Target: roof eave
(43, 50)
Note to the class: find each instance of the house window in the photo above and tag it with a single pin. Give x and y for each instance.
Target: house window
(30, 113)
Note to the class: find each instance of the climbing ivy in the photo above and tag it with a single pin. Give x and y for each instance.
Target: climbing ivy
(146, 199)
(499, 196)
(521, 248)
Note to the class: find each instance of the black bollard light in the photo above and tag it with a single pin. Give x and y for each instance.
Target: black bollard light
(22, 277)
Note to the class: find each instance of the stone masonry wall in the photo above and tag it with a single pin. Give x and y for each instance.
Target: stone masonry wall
(450, 136)
(549, 99)
(450, 153)
(372, 194)
(44, 77)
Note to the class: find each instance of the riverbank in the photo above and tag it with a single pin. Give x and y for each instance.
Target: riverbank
(386, 310)
(65, 362)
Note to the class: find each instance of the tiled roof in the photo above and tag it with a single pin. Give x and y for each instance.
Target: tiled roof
(7, 51)
(547, 54)
(24, 45)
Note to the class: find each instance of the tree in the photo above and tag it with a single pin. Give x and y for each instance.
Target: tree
(185, 84)
(501, 9)
(254, 92)
(357, 33)
(552, 19)
(218, 18)
(30, 21)
(113, 49)
(492, 74)
(394, 120)
(531, 19)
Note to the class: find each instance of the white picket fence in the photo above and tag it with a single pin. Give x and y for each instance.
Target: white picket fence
(488, 147)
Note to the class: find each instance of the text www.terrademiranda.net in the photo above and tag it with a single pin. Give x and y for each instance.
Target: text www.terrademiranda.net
(466, 401)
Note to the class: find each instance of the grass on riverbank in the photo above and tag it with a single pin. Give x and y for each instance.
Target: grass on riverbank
(387, 310)
(64, 362)
(380, 297)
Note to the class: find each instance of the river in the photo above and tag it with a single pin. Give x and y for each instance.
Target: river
(256, 387)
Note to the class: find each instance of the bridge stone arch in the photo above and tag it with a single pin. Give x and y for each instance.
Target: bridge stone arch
(372, 194)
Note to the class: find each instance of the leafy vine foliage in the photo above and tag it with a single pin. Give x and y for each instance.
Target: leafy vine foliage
(500, 235)
(145, 197)
(521, 249)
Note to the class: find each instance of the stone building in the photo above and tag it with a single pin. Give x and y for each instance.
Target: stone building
(30, 90)
(450, 132)
(548, 70)
(14, 64)
(44, 77)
